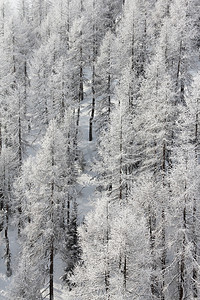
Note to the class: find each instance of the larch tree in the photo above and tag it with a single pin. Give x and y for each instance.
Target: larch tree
(48, 211)
(105, 82)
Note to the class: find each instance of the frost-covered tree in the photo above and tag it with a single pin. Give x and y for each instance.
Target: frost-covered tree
(111, 236)
(48, 211)
(105, 81)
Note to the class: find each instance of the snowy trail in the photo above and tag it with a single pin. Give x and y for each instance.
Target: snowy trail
(86, 181)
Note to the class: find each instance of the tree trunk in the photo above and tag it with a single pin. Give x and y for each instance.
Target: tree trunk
(68, 210)
(8, 254)
(25, 87)
(107, 271)
(20, 160)
(163, 258)
(194, 217)
(1, 141)
(1, 192)
(81, 95)
(109, 96)
(152, 226)
(93, 104)
(51, 270)
(125, 271)
(194, 272)
(20, 140)
(179, 80)
(182, 261)
(62, 105)
(120, 162)
(93, 80)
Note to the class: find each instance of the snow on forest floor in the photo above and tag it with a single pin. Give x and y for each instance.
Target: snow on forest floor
(86, 182)
(60, 290)
(5, 282)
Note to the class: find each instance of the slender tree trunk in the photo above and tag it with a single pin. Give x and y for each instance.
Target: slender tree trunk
(109, 96)
(182, 269)
(182, 259)
(20, 160)
(1, 192)
(194, 272)
(20, 139)
(194, 216)
(1, 141)
(125, 270)
(132, 48)
(8, 254)
(62, 105)
(68, 23)
(107, 271)
(152, 226)
(1, 211)
(180, 81)
(46, 111)
(81, 94)
(109, 82)
(68, 211)
(51, 268)
(93, 104)
(25, 86)
(179, 65)
(163, 258)
(93, 79)
(120, 162)
(13, 56)
(51, 272)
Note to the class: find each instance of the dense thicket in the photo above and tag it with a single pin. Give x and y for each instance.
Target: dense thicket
(135, 63)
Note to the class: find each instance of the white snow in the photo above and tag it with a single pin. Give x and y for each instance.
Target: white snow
(5, 282)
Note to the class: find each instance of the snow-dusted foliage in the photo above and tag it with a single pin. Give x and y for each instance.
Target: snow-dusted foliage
(99, 108)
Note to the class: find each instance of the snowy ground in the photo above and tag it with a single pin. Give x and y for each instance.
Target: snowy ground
(5, 282)
(86, 181)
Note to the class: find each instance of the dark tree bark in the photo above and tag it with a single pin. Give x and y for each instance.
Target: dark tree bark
(163, 234)
(182, 258)
(107, 271)
(125, 271)
(8, 254)
(93, 80)
(152, 226)
(194, 216)
(20, 160)
(93, 106)
(51, 272)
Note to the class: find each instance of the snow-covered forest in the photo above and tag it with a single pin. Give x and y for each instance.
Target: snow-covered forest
(100, 150)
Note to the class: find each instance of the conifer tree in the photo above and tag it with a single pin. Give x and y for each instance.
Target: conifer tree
(50, 204)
